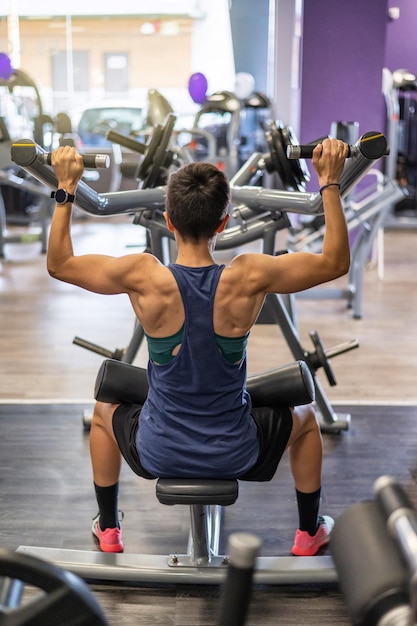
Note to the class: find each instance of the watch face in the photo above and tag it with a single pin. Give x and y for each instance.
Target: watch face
(61, 196)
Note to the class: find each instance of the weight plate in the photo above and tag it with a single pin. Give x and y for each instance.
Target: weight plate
(321, 358)
(162, 157)
(299, 166)
(281, 146)
(274, 163)
(150, 152)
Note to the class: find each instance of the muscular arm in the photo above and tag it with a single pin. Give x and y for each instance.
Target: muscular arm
(95, 272)
(328, 161)
(297, 271)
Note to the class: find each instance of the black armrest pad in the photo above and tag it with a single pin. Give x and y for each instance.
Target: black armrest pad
(118, 382)
(288, 385)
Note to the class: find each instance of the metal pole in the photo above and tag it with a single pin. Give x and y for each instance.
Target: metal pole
(13, 34)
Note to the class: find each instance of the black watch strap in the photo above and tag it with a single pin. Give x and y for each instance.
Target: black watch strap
(61, 196)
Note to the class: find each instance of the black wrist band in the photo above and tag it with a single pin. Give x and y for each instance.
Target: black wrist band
(329, 185)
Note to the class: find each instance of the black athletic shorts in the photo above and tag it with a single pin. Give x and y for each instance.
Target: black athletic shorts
(274, 429)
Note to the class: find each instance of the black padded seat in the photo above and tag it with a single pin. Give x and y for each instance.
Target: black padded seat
(196, 491)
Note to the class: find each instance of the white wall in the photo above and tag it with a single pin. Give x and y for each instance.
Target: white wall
(212, 49)
(95, 7)
(286, 62)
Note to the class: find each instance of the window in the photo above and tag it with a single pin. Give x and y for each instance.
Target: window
(80, 69)
(116, 72)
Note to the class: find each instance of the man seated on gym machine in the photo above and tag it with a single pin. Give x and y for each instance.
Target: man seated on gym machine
(197, 420)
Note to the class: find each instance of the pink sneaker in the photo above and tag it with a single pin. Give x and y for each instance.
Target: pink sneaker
(307, 545)
(110, 540)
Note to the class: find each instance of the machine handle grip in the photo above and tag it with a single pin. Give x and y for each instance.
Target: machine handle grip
(306, 151)
(126, 142)
(89, 160)
(371, 145)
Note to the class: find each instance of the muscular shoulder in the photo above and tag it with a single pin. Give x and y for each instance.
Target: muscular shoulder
(141, 270)
(249, 270)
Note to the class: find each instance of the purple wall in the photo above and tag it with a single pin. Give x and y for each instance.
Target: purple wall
(344, 45)
(401, 49)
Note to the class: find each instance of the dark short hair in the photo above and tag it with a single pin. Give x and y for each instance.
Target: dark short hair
(198, 195)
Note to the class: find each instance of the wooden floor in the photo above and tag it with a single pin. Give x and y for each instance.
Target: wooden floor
(46, 382)
(47, 500)
(40, 318)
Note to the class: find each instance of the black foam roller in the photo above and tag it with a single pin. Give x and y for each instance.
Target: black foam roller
(237, 587)
(391, 496)
(372, 574)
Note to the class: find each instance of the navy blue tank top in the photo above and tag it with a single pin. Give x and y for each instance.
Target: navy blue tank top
(196, 420)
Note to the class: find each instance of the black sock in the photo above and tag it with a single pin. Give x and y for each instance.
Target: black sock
(308, 510)
(107, 498)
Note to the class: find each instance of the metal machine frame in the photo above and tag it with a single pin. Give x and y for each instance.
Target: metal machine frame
(259, 214)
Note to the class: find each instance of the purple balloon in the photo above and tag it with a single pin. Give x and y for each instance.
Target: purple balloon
(6, 69)
(197, 87)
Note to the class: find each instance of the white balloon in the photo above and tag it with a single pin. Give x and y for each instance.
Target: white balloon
(244, 85)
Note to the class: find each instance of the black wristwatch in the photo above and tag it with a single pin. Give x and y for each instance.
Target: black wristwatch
(62, 196)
